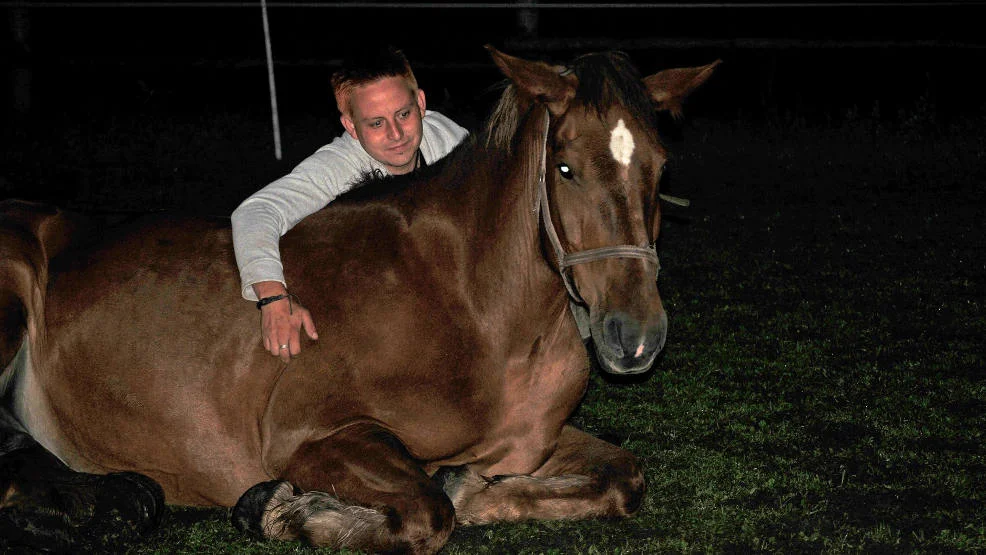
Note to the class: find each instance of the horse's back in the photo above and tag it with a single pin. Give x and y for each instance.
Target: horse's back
(179, 256)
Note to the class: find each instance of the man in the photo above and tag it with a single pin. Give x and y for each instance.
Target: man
(387, 130)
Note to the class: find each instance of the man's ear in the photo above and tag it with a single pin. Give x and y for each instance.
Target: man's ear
(421, 101)
(347, 122)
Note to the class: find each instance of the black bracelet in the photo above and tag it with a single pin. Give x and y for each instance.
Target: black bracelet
(267, 300)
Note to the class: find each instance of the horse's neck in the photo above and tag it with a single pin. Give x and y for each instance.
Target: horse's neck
(510, 273)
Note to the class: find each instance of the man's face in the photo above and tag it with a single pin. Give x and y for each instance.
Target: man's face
(385, 117)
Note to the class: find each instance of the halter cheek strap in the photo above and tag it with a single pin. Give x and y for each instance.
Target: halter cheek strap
(566, 260)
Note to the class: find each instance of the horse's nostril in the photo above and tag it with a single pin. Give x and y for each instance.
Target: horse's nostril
(613, 337)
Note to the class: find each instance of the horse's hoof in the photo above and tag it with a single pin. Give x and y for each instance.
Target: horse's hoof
(248, 514)
(138, 500)
(85, 512)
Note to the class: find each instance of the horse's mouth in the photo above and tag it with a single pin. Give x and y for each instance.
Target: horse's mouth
(623, 366)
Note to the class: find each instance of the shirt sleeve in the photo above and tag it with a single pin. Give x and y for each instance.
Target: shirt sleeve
(260, 221)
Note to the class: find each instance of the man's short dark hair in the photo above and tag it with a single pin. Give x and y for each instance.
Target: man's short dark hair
(368, 66)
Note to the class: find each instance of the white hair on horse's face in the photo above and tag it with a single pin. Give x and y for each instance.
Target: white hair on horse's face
(621, 143)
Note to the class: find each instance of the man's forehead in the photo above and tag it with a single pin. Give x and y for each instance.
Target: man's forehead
(388, 92)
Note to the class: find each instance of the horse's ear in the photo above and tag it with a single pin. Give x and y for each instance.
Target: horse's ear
(669, 88)
(539, 80)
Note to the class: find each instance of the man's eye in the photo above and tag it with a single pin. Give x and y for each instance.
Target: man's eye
(376, 124)
(565, 171)
(405, 114)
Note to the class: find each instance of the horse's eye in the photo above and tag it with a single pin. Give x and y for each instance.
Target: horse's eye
(565, 171)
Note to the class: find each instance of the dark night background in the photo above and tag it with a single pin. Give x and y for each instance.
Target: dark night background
(820, 57)
(86, 69)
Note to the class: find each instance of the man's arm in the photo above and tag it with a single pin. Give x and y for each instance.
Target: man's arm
(260, 221)
(258, 224)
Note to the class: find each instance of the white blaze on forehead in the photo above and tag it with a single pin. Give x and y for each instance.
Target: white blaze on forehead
(621, 143)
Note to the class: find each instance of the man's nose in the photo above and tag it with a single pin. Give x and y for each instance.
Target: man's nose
(395, 131)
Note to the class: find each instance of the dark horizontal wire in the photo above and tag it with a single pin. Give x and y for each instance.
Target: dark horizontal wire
(490, 5)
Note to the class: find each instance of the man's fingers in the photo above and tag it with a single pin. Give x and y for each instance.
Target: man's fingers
(309, 325)
(281, 347)
(270, 345)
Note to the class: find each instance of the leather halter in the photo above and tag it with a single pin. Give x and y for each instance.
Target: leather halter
(567, 260)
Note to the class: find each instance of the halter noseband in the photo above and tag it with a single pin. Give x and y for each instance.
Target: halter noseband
(566, 260)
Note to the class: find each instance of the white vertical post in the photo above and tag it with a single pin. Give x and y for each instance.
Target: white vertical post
(527, 19)
(21, 74)
(270, 81)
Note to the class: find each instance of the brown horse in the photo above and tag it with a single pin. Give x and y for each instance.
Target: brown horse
(449, 360)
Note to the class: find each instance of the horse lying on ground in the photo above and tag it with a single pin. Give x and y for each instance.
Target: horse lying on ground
(449, 361)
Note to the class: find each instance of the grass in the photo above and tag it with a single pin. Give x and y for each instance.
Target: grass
(823, 386)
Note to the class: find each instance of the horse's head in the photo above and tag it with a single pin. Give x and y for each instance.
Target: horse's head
(599, 199)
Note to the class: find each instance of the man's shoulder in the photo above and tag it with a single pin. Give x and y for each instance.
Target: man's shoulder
(440, 135)
(337, 163)
(343, 145)
(439, 123)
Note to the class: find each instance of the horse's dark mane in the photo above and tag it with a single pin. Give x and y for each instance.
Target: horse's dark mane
(605, 79)
(610, 78)
(373, 184)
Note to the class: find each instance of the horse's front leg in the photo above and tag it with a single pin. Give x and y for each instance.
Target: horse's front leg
(357, 489)
(586, 477)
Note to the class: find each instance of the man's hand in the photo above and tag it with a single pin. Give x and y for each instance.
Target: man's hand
(281, 321)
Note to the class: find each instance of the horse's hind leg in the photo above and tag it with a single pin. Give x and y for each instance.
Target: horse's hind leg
(358, 489)
(46, 505)
(586, 477)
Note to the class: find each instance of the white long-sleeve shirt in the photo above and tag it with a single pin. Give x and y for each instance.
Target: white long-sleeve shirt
(261, 220)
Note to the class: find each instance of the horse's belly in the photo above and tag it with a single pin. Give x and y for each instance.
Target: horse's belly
(185, 448)
(156, 373)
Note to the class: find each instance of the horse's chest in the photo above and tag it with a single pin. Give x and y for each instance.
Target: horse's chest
(536, 399)
(543, 386)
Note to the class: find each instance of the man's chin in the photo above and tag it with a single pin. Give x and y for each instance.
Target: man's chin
(398, 165)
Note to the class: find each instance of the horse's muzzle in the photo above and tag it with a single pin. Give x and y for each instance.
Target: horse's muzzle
(624, 345)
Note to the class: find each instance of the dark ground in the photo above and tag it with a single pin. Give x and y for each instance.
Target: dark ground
(823, 388)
